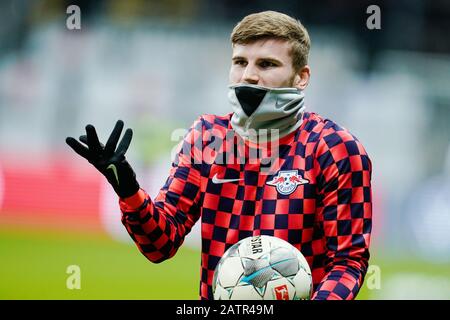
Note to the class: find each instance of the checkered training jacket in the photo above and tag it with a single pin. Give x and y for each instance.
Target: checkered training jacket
(317, 196)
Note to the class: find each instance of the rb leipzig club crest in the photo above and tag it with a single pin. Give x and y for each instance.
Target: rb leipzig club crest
(287, 181)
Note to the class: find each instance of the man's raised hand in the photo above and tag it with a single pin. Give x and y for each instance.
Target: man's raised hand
(108, 159)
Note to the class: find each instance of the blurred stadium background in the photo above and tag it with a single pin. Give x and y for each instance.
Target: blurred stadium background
(158, 65)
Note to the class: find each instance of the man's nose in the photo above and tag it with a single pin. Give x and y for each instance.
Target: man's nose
(250, 75)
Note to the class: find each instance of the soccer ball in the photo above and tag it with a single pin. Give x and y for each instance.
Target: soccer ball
(262, 268)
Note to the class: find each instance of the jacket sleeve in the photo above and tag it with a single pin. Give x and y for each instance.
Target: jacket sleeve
(344, 212)
(158, 227)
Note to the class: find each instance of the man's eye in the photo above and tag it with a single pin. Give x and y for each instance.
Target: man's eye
(239, 62)
(267, 64)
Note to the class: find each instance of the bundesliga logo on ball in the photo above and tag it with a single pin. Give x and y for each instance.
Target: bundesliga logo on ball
(262, 268)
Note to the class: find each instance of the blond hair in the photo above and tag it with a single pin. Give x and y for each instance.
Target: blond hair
(272, 24)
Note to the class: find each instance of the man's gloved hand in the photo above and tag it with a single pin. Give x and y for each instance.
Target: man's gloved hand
(107, 159)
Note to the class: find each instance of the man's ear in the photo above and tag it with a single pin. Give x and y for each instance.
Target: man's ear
(301, 79)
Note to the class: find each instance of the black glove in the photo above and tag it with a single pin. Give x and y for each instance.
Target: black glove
(109, 161)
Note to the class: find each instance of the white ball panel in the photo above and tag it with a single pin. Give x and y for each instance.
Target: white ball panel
(221, 293)
(303, 285)
(246, 292)
(303, 263)
(230, 271)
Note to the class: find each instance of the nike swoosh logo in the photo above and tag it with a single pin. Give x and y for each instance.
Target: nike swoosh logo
(114, 169)
(219, 181)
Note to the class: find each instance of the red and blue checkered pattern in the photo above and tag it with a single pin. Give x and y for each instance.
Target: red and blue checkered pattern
(329, 219)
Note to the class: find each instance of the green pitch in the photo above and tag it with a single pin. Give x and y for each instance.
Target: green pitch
(33, 265)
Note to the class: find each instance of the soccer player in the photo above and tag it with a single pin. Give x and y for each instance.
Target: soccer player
(269, 167)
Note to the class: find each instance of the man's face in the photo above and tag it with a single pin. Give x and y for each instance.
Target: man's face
(265, 62)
